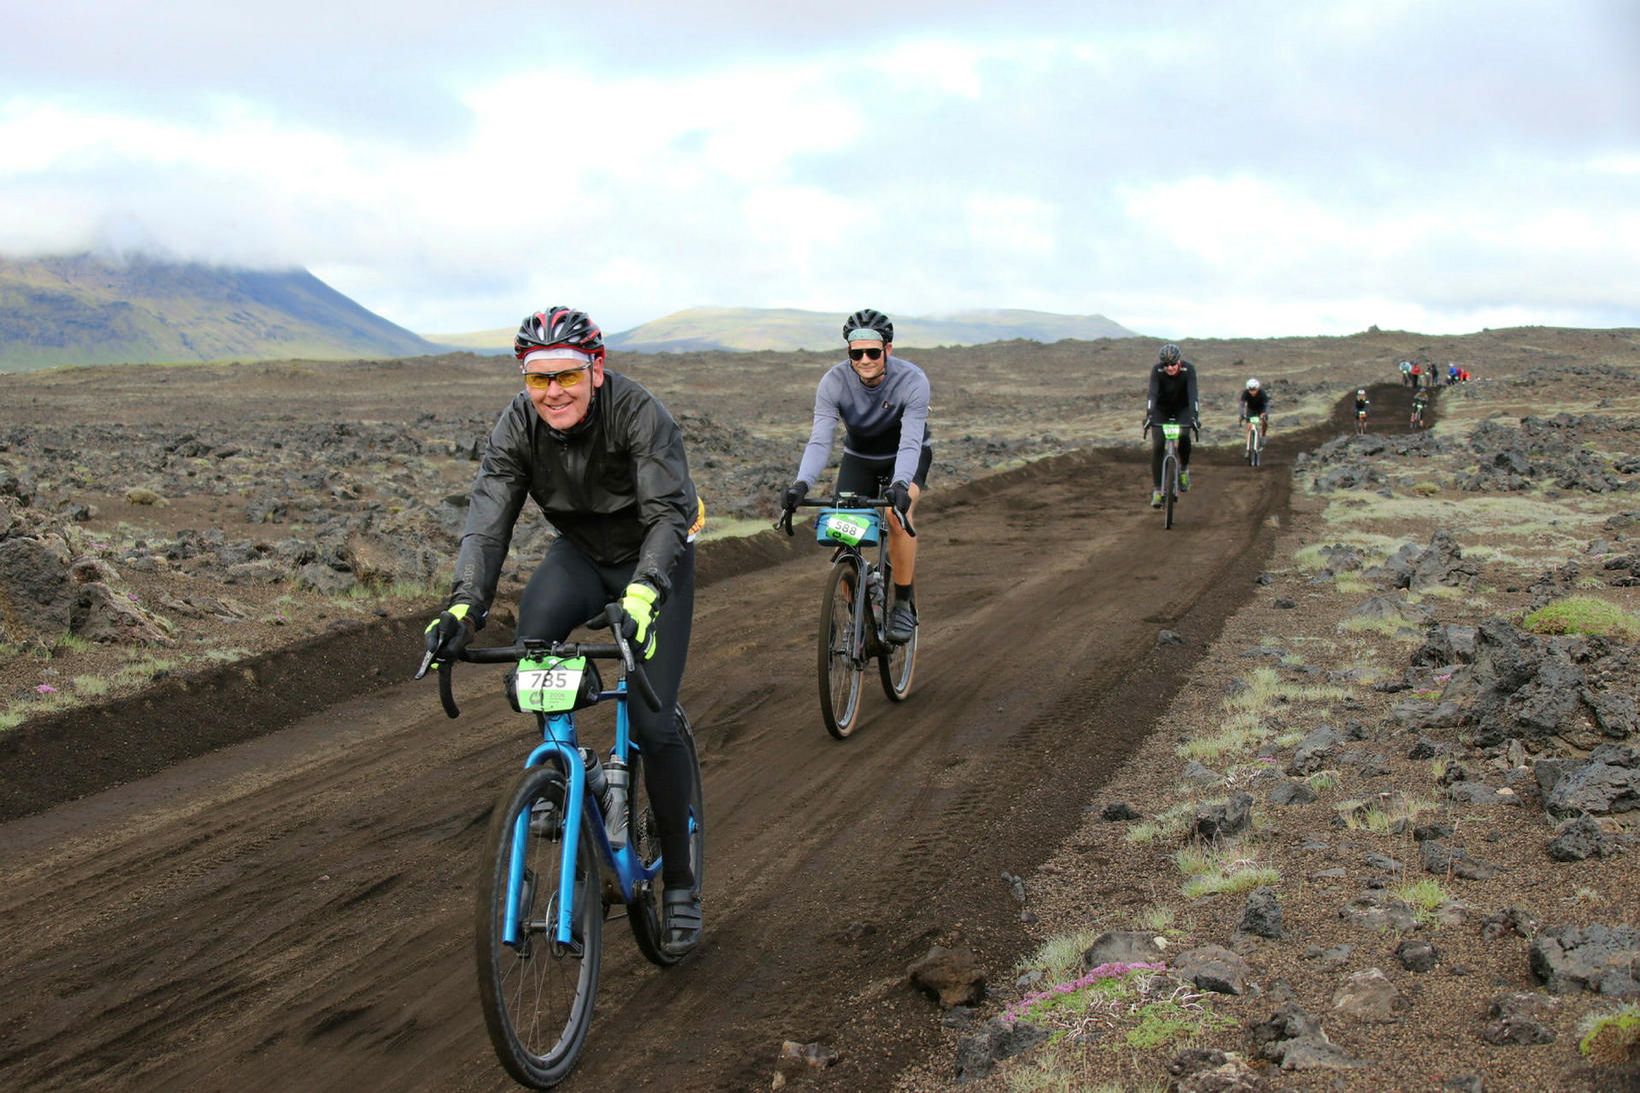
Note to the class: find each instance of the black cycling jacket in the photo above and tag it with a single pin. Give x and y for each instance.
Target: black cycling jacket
(617, 486)
(1173, 396)
(1252, 405)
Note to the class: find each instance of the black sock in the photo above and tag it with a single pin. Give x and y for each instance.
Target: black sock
(902, 593)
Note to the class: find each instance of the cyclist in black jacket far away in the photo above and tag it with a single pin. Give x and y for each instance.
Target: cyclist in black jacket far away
(1172, 398)
(1255, 403)
(604, 461)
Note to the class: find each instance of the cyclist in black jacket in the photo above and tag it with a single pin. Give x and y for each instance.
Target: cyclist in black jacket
(604, 461)
(1172, 398)
(1255, 405)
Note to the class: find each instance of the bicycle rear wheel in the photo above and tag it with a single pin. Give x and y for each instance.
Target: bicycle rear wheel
(841, 662)
(896, 664)
(537, 995)
(644, 912)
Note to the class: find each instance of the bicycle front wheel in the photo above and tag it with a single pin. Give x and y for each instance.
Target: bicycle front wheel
(1258, 447)
(1170, 490)
(537, 994)
(841, 663)
(644, 912)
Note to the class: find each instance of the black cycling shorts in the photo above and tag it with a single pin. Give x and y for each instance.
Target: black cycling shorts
(870, 477)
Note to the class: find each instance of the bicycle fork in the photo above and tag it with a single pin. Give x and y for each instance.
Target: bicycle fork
(568, 760)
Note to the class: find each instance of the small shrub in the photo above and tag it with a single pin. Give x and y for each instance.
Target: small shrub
(90, 686)
(1398, 629)
(142, 495)
(1146, 831)
(1157, 918)
(1584, 615)
(1612, 1037)
(1060, 957)
(1239, 877)
(70, 643)
(1426, 489)
(1425, 897)
(1210, 872)
(1323, 780)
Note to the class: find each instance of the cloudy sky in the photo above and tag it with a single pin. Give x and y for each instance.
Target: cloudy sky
(1189, 169)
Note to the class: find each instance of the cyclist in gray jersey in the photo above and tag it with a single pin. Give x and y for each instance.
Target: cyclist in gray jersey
(882, 401)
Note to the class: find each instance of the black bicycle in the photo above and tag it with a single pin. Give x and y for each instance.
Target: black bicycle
(1171, 431)
(854, 609)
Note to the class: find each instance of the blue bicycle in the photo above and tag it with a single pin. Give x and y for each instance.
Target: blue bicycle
(572, 836)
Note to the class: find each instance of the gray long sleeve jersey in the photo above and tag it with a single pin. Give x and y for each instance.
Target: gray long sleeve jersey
(890, 419)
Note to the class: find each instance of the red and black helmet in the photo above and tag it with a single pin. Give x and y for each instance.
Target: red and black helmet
(559, 327)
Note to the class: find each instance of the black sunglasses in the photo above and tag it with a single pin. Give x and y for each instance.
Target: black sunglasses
(862, 354)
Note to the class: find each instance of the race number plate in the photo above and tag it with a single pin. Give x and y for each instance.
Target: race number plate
(1171, 430)
(851, 529)
(548, 684)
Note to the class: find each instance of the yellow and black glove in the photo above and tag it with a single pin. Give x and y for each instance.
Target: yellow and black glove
(638, 618)
(449, 634)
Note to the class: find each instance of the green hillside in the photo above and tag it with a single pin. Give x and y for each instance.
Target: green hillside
(82, 309)
(780, 329)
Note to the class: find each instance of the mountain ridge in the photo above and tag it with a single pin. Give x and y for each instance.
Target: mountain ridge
(749, 329)
(86, 309)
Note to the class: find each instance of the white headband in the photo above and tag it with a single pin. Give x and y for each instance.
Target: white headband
(865, 334)
(561, 353)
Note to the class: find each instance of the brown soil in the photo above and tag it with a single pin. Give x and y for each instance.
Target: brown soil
(298, 905)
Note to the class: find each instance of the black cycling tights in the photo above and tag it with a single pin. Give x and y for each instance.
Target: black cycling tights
(567, 589)
(1158, 446)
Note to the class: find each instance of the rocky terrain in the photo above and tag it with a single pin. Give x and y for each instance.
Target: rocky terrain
(157, 520)
(1387, 839)
(1379, 746)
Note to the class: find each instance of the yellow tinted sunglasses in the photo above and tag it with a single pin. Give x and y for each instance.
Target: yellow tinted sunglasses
(569, 377)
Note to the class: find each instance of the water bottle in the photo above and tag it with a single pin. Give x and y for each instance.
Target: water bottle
(616, 778)
(597, 784)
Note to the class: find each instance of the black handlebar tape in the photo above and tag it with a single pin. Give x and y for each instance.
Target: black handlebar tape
(445, 694)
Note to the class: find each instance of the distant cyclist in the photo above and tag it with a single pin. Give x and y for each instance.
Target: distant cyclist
(1417, 373)
(604, 461)
(1406, 374)
(1255, 403)
(1361, 405)
(1420, 404)
(882, 401)
(1451, 373)
(1172, 398)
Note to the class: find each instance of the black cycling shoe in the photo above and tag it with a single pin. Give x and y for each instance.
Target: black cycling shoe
(902, 623)
(680, 920)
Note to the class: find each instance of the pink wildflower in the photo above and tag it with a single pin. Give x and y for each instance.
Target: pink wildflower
(45, 689)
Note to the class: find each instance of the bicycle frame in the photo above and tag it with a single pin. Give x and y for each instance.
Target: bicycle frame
(864, 568)
(561, 746)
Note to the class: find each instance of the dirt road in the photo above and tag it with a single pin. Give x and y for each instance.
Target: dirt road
(295, 911)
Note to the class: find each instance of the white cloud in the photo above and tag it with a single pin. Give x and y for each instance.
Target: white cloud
(1197, 169)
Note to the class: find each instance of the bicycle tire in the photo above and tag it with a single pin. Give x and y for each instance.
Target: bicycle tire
(1258, 447)
(897, 664)
(840, 664)
(1170, 489)
(515, 986)
(1249, 454)
(643, 914)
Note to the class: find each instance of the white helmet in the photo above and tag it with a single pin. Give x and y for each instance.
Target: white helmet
(1252, 384)
(1361, 393)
